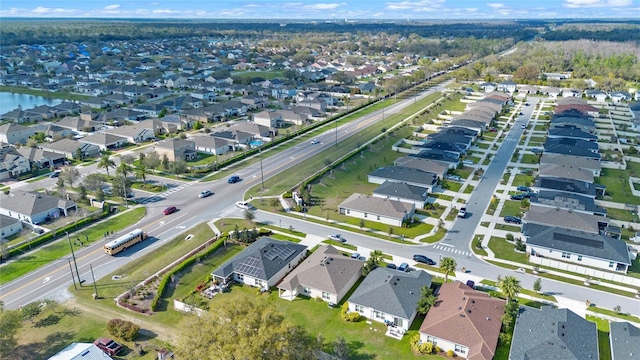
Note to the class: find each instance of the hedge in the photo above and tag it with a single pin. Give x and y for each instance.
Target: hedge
(167, 276)
(52, 235)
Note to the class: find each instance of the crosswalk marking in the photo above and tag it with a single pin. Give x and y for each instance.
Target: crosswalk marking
(166, 193)
(452, 249)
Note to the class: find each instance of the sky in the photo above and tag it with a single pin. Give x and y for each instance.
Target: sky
(324, 9)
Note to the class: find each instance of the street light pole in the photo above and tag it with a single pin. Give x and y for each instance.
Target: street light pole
(72, 277)
(124, 191)
(336, 132)
(261, 172)
(73, 255)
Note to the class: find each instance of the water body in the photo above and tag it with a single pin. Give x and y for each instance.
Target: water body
(10, 101)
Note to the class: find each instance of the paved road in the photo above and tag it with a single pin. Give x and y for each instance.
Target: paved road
(52, 280)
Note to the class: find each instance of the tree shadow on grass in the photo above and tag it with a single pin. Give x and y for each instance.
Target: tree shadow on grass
(354, 346)
(49, 346)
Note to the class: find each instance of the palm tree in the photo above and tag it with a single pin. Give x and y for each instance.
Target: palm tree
(376, 256)
(142, 172)
(510, 286)
(447, 265)
(106, 163)
(123, 169)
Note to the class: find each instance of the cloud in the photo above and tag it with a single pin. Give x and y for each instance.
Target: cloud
(44, 10)
(111, 7)
(495, 5)
(325, 6)
(596, 3)
(415, 5)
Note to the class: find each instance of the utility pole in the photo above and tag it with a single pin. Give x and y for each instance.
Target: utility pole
(124, 191)
(95, 288)
(73, 255)
(336, 132)
(73, 278)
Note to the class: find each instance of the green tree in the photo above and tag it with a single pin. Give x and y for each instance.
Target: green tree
(106, 163)
(93, 182)
(448, 265)
(78, 154)
(69, 175)
(249, 215)
(120, 186)
(375, 257)
(142, 173)
(537, 285)
(123, 169)
(242, 329)
(427, 300)
(164, 162)
(162, 113)
(30, 311)
(340, 348)
(152, 160)
(10, 324)
(197, 125)
(510, 287)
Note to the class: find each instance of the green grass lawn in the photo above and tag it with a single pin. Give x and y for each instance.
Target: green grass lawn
(522, 179)
(529, 159)
(621, 214)
(454, 186)
(604, 346)
(512, 228)
(538, 139)
(468, 189)
(60, 248)
(617, 183)
(483, 145)
(511, 207)
(439, 235)
(505, 250)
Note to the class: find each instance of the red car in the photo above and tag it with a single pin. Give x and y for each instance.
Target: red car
(109, 346)
(170, 210)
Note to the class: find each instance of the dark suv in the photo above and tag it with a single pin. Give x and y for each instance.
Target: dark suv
(109, 346)
(512, 219)
(423, 259)
(234, 179)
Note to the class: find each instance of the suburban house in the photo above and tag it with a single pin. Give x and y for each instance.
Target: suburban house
(40, 158)
(407, 175)
(411, 194)
(569, 185)
(577, 147)
(262, 264)
(382, 210)
(624, 340)
(565, 172)
(507, 86)
(175, 149)
(12, 163)
(464, 320)
(68, 148)
(134, 134)
(81, 351)
(212, 145)
(271, 119)
(388, 295)
(325, 274)
(105, 141)
(579, 162)
(440, 168)
(569, 219)
(551, 333)
(576, 246)
(567, 200)
(9, 226)
(15, 133)
(34, 208)
(77, 124)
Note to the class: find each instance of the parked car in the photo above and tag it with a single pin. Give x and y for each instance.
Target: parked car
(170, 210)
(337, 237)
(315, 141)
(517, 197)
(524, 188)
(108, 346)
(537, 150)
(521, 113)
(468, 162)
(493, 129)
(244, 205)
(54, 174)
(526, 104)
(204, 194)
(404, 267)
(358, 256)
(391, 266)
(233, 179)
(462, 213)
(512, 219)
(523, 126)
(528, 194)
(454, 177)
(423, 259)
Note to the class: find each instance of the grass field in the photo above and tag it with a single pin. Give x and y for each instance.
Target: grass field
(60, 248)
(529, 159)
(505, 250)
(617, 183)
(511, 207)
(604, 346)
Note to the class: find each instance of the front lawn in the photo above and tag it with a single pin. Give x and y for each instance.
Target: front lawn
(522, 179)
(511, 207)
(529, 159)
(506, 250)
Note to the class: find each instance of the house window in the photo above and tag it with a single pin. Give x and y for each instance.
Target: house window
(378, 217)
(579, 257)
(258, 282)
(240, 277)
(360, 309)
(326, 295)
(460, 349)
(378, 315)
(306, 290)
(611, 264)
(432, 339)
(365, 214)
(566, 255)
(348, 212)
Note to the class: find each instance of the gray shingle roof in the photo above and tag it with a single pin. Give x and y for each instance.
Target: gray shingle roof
(544, 215)
(377, 206)
(551, 333)
(326, 270)
(566, 172)
(255, 260)
(566, 200)
(32, 203)
(391, 291)
(577, 242)
(567, 185)
(570, 160)
(401, 190)
(405, 174)
(429, 165)
(625, 341)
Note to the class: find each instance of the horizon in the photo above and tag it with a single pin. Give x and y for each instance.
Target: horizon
(350, 10)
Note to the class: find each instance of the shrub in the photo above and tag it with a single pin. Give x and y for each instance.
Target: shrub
(348, 316)
(125, 330)
(509, 237)
(450, 353)
(420, 348)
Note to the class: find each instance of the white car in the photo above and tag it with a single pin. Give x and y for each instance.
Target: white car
(523, 126)
(204, 194)
(468, 162)
(315, 141)
(337, 237)
(244, 205)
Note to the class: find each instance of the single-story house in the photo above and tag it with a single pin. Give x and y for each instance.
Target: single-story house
(551, 333)
(465, 321)
(104, 141)
(33, 207)
(176, 149)
(403, 174)
(624, 339)
(390, 295)
(81, 351)
(69, 147)
(212, 145)
(41, 158)
(15, 133)
(386, 211)
(262, 264)
(9, 226)
(578, 247)
(440, 168)
(410, 194)
(325, 274)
